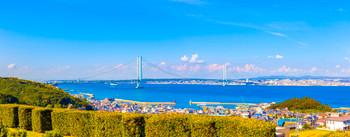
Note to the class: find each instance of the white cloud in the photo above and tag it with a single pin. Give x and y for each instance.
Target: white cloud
(246, 68)
(184, 58)
(101, 68)
(345, 70)
(192, 60)
(120, 66)
(284, 68)
(279, 57)
(214, 67)
(195, 68)
(246, 25)
(337, 66)
(276, 57)
(180, 67)
(302, 43)
(347, 59)
(59, 69)
(200, 61)
(11, 66)
(277, 34)
(313, 69)
(162, 64)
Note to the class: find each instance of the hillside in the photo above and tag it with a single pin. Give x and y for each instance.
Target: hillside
(14, 90)
(304, 104)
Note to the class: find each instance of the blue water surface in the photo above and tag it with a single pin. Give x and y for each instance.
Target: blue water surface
(182, 94)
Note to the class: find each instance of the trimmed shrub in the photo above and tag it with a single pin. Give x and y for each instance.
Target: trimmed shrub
(133, 125)
(41, 120)
(53, 133)
(25, 117)
(168, 125)
(108, 124)
(9, 115)
(237, 126)
(3, 131)
(73, 122)
(17, 133)
(203, 126)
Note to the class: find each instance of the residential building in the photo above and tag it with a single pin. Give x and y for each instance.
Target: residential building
(338, 123)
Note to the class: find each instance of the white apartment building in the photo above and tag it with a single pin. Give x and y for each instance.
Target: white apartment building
(338, 123)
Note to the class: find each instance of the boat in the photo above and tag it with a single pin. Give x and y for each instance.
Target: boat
(113, 84)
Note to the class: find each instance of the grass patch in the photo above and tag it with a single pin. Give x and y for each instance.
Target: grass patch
(310, 133)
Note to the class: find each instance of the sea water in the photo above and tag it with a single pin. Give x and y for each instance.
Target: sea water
(183, 94)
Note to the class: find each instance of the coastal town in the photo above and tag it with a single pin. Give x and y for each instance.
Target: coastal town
(286, 120)
(262, 82)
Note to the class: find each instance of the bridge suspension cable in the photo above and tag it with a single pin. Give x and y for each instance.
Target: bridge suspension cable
(113, 69)
(164, 71)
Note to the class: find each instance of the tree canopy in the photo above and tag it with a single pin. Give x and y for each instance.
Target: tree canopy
(303, 104)
(14, 90)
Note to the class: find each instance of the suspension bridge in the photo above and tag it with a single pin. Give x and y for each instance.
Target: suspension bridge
(139, 72)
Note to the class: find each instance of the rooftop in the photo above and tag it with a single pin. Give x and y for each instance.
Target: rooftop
(345, 118)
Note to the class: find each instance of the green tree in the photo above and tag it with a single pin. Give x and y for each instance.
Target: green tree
(14, 90)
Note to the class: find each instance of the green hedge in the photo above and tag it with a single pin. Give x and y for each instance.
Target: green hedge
(237, 126)
(53, 133)
(203, 126)
(108, 124)
(73, 122)
(133, 125)
(3, 131)
(168, 125)
(100, 124)
(25, 117)
(41, 120)
(9, 115)
(17, 133)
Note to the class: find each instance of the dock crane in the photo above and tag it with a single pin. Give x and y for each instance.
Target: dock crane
(247, 106)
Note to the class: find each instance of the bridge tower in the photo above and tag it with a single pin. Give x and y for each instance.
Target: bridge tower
(139, 72)
(224, 78)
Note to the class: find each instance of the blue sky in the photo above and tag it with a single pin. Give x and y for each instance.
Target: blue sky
(64, 39)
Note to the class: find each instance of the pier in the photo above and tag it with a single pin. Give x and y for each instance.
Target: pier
(342, 108)
(147, 103)
(218, 103)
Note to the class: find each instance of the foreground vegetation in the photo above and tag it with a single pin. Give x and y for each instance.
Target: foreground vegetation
(310, 133)
(14, 90)
(110, 124)
(305, 104)
(336, 134)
